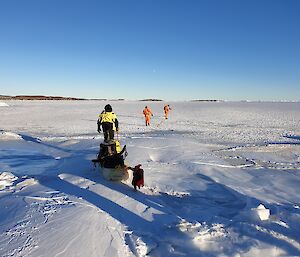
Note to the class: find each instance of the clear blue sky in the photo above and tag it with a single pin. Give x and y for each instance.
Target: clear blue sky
(167, 49)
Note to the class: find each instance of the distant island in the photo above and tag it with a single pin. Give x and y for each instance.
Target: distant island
(206, 100)
(37, 97)
(43, 97)
(151, 100)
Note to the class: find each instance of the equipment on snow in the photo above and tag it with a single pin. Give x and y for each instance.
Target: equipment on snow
(138, 176)
(111, 159)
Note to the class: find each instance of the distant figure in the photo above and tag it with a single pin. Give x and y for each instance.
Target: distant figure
(147, 113)
(167, 108)
(138, 176)
(109, 122)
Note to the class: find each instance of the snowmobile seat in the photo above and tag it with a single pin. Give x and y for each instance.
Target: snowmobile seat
(107, 149)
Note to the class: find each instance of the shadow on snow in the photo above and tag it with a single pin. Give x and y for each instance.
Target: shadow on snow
(207, 207)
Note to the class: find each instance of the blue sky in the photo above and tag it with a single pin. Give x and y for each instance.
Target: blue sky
(167, 49)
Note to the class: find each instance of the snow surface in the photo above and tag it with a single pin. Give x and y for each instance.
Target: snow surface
(221, 179)
(2, 104)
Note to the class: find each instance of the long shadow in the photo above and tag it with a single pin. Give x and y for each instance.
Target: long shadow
(116, 211)
(287, 142)
(292, 137)
(18, 160)
(148, 200)
(218, 209)
(170, 206)
(28, 138)
(31, 157)
(283, 143)
(140, 226)
(157, 133)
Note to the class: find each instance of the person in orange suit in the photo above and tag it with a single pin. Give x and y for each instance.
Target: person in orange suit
(166, 110)
(147, 113)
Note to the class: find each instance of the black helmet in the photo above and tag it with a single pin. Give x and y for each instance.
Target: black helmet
(108, 108)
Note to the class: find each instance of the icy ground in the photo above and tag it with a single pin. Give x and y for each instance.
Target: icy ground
(207, 169)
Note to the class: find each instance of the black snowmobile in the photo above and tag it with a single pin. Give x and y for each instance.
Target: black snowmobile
(111, 159)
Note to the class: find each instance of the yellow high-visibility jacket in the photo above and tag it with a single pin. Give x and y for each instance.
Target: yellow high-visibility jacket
(118, 146)
(110, 117)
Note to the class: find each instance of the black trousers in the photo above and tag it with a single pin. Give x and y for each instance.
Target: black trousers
(108, 132)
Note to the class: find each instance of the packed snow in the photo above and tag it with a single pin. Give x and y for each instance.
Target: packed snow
(221, 179)
(2, 104)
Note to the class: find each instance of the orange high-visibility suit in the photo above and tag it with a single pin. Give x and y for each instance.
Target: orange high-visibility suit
(166, 110)
(147, 112)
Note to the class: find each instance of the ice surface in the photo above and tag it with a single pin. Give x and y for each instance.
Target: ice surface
(207, 168)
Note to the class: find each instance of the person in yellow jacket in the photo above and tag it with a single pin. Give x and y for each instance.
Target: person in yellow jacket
(109, 122)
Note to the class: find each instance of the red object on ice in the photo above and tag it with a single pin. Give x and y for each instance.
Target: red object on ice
(140, 182)
(138, 177)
